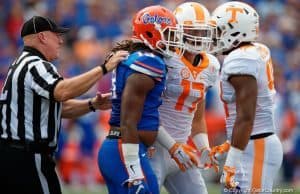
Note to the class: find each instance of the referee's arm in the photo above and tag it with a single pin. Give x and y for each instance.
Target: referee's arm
(73, 87)
(75, 108)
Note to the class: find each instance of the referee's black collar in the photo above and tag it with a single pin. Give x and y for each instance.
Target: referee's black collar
(34, 51)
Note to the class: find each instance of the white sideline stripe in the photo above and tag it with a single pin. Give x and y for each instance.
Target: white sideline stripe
(41, 176)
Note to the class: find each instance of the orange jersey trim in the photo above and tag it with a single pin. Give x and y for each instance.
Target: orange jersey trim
(195, 70)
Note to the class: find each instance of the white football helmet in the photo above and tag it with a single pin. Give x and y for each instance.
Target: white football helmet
(235, 22)
(193, 18)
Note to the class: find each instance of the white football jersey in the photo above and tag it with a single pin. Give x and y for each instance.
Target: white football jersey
(254, 60)
(186, 85)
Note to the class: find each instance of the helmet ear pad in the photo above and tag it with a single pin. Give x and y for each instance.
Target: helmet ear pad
(149, 34)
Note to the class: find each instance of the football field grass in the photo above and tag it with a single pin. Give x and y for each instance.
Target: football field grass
(212, 189)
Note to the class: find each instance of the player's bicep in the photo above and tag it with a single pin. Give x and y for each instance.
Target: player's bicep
(133, 97)
(245, 87)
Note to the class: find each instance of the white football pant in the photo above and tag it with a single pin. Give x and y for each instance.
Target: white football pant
(260, 164)
(170, 176)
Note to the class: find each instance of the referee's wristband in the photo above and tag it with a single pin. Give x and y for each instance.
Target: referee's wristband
(103, 68)
(91, 107)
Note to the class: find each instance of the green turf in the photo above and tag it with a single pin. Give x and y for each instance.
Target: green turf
(212, 189)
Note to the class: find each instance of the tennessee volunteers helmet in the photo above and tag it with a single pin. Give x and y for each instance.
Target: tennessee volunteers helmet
(156, 26)
(236, 22)
(193, 18)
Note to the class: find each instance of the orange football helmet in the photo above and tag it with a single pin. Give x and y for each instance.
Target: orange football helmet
(156, 26)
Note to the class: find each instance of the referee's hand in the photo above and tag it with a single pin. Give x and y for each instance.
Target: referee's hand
(114, 59)
(102, 101)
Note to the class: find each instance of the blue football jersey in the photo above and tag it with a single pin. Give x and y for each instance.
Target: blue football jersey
(148, 64)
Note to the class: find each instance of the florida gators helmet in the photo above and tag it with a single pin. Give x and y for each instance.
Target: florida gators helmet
(156, 26)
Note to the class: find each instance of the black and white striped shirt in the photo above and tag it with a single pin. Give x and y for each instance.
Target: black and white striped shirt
(28, 110)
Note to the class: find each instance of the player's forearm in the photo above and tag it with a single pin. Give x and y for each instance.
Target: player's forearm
(199, 127)
(199, 123)
(132, 161)
(129, 132)
(241, 132)
(201, 140)
(164, 138)
(199, 132)
(76, 86)
(245, 87)
(75, 108)
(129, 120)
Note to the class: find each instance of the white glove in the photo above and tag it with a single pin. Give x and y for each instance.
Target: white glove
(216, 154)
(228, 177)
(207, 160)
(230, 167)
(184, 155)
(220, 151)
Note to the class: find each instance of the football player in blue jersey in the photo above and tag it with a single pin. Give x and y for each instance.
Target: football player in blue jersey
(137, 85)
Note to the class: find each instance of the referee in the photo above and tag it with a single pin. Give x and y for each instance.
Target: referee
(33, 100)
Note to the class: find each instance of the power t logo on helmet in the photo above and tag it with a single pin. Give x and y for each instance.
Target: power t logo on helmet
(236, 22)
(234, 12)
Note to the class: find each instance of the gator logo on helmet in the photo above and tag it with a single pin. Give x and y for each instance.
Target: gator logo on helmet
(147, 18)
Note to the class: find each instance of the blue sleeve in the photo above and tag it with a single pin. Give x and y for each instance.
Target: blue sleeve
(147, 63)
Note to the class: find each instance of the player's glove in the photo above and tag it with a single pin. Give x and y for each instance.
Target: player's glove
(207, 160)
(138, 187)
(184, 155)
(211, 157)
(221, 150)
(230, 168)
(228, 176)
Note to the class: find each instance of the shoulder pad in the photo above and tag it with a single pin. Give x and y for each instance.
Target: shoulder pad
(146, 63)
(214, 62)
(256, 51)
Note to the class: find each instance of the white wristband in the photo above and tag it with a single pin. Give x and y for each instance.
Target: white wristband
(132, 161)
(233, 157)
(164, 138)
(201, 140)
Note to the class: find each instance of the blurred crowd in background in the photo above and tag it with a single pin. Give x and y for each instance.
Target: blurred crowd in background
(98, 24)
